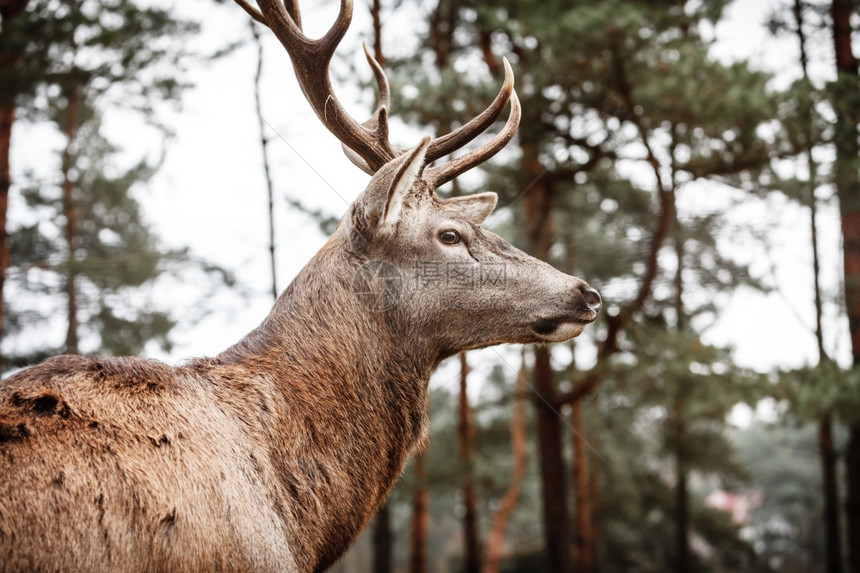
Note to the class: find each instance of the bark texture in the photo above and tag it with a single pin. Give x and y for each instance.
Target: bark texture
(496, 537)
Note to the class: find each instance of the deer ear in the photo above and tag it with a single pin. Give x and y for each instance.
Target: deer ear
(407, 172)
(387, 192)
(475, 207)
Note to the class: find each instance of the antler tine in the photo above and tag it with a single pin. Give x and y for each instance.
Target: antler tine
(438, 176)
(381, 79)
(461, 136)
(378, 122)
(451, 141)
(253, 12)
(311, 60)
(292, 7)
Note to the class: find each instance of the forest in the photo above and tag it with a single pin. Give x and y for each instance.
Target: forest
(697, 161)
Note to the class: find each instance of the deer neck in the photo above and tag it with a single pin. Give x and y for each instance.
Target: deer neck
(350, 400)
(320, 323)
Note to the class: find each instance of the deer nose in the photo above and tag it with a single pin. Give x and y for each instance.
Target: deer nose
(591, 297)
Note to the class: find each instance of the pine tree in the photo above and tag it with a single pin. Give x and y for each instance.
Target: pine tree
(111, 256)
(12, 82)
(845, 97)
(805, 129)
(86, 231)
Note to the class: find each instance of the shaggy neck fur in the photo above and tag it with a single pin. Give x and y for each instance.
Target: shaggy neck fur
(349, 405)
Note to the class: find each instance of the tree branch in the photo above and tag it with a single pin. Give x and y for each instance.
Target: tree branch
(617, 323)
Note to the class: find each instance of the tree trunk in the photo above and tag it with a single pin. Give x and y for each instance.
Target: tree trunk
(420, 519)
(539, 237)
(846, 102)
(553, 493)
(382, 540)
(594, 484)
(443, 22)
(8, 61)
(264, 145)
(466, 433)
(682, 496)
(496, 537)
(7, 118)
(827, 452)
(71, 212)
(582, 493)
(375, 10)
(682, 501)
(852, 503)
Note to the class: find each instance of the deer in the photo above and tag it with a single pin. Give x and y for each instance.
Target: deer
(274, 454)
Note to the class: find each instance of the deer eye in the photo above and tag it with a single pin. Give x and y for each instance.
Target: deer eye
(449, 237)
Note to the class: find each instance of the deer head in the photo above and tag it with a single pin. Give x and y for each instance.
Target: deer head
(423, 260)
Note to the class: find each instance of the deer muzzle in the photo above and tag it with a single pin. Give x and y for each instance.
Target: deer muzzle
(564, 324)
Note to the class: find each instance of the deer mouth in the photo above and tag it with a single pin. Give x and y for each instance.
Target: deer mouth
(563, 327)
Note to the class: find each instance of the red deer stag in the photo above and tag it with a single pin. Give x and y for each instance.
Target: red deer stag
(274, 454)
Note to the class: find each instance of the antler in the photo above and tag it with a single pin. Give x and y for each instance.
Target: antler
(366, 144)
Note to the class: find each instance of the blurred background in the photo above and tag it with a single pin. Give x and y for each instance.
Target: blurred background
(162, 177)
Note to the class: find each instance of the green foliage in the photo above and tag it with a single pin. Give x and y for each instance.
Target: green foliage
(817, 391)
(132, 54)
